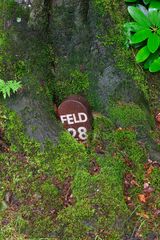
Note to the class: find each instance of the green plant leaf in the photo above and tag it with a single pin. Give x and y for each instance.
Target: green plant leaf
(146, 1)
(158, 32)
(4, 93)
(132, 27)
(15, 85)
(158, 20)
(155, 66)
(142, 54)
(140, 36)
(155, 4)
(6, 87)
(153, 16)
(139, 16)
(153, 42)
(143, 9)
(130, 0)
(2, 84)
(150, 60)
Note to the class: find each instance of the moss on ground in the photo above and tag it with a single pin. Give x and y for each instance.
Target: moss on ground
(128, 115)
(28, 179)
(58, 193)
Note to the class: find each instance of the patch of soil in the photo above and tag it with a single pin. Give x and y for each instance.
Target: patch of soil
(66, 191)
(94, 167)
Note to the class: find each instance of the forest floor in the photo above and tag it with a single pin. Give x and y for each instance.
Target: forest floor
(109, 189)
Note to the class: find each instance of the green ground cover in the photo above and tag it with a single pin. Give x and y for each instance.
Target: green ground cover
(70, 191)
(105, 190)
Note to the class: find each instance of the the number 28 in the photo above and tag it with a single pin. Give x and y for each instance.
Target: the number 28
(82, 133)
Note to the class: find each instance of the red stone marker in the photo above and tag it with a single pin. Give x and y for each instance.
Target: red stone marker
(76, 116)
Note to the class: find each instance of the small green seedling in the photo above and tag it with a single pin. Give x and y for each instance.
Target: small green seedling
(7, 87)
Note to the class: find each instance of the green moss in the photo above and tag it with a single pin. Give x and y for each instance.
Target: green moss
(100, 6)
(9, 232)
(75, 220)
(66, 157)
(15, 134)
(12, 66)
(30, 173)
(102, 127)
(126, 142)
(20, 45)
(2, 116)
(71, 82)
(114, 37)
(81, 184)
(49, 190)
(98, 199)
(108, 193)
(42, 226)
(152, 223)
(128, 115)
(155, 181)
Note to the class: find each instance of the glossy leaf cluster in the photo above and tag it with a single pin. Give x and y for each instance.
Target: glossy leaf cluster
(151, 3)
(144, 33)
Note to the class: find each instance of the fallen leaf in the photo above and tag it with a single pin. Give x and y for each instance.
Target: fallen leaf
(143, 215)
(149, 170)
(142, 198)
(157, 213)
(128, 198)
(150, 161)
(134, 183)
(149, 190)
(146, 185)
(100, 149)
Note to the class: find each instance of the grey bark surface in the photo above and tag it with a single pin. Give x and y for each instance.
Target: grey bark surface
(38, 122)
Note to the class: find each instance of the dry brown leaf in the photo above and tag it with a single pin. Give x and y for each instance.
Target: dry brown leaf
(157, 213)
(149, 170)
(143, 215)
(142, 198)
(134, 183)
